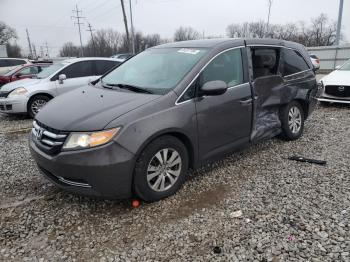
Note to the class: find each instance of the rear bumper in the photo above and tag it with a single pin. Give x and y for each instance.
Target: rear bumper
(104, 171)
(13, 106)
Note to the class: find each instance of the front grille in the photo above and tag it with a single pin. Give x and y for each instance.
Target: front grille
(339, 91)
(48, 139)
(4, 93)
(5, 107)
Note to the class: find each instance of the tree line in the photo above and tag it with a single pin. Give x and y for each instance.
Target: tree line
(321, 31)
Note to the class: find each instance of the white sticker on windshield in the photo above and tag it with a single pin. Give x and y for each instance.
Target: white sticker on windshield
(189, 51)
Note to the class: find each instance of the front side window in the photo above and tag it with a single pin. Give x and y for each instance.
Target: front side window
(158, 70)
(14, 62)
(79, 69)
(25, 71)
(293, 62)
(226, 67)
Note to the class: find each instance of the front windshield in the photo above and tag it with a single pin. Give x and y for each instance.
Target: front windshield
(50, 70)
(157, 70)
(346, 66)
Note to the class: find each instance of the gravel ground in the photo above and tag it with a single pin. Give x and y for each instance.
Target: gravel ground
(254, 205)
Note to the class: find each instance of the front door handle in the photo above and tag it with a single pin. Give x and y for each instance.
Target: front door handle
(245, 102)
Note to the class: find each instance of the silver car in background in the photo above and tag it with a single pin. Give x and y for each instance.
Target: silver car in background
(30, 95)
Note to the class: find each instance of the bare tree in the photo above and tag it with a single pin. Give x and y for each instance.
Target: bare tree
(7, 33)
(186, 33)
(69, 50)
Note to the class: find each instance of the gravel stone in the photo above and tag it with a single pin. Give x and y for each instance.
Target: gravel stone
(291, 211)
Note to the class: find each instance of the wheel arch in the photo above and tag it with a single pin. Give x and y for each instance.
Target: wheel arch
(179, 135)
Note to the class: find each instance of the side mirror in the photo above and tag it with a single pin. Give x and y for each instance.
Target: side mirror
(214, 88)
(61, 78)
(337, 67)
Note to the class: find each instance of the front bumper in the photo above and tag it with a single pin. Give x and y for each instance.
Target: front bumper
(331, 100)
(104, 171)
(13, 105)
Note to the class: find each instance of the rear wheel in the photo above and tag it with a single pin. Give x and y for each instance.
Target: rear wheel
(36, 103)
(292, 120)
(161, 169)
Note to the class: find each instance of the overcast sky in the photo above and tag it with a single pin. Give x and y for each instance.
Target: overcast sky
(51, 21)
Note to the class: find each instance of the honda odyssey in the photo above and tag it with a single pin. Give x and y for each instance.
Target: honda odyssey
(138, 129)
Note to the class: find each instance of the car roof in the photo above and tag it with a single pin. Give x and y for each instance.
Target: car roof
(216, 42)
(74, 60)
(13, 58)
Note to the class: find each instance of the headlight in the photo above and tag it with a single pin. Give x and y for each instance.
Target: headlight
(18, 91)
(88, 140)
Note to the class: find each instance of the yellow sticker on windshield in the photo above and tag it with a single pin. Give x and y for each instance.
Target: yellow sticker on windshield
(189, 51)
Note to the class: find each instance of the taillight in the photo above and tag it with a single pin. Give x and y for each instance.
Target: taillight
(317, 61)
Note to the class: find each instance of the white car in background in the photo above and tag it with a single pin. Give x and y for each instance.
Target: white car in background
(7, 64)
(336, 85)
(30, 95)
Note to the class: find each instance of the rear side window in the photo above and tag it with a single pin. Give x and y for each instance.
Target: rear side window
(227, 67)
(265, 61)
(103, 66)
(79, 69)
(293, 62)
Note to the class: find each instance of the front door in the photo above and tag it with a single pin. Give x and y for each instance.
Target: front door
(78, 74)
(224, 121)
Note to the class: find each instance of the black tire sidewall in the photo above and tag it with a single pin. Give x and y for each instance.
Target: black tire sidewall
(286, 132)
(141, 186)
(31, 100)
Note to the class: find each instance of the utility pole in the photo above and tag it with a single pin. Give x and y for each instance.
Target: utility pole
(47, 49)
(29, 44)
(34, 52)
(78, 17)
(92, 37)
(125, 23)
(132, 29)
(268, 16)
(340, 16)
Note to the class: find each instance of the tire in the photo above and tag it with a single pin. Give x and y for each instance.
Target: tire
(40, 101)
(292, 120)
(149, 173)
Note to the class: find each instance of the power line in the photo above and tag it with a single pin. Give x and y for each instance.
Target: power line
(78, 17)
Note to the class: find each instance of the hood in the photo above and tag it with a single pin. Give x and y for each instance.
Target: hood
(20, 83)
(337, 77)
(90, 108)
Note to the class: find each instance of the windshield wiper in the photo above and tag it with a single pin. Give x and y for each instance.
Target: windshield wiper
(128, 87)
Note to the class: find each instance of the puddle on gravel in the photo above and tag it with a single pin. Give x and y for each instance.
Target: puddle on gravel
(205, 199)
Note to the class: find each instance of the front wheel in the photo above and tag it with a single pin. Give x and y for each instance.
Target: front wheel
(161, 169)
(292, 120)
(36, 103)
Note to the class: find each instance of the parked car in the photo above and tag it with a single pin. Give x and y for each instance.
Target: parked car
(170, 108)
(30, 95)
(22, 72)
(336, 85)
(7, 64)
(315, 61)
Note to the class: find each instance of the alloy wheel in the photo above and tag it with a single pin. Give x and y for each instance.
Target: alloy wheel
(164, 169)
(294, 119)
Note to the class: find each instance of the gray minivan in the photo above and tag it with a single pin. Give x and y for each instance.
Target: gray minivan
(138, 129)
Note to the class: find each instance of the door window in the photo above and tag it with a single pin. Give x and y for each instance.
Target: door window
(265, 61)
(25, 71)
(227, 67)
(14, 62)
(79, 69)
(103, 66)
(293, 62)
